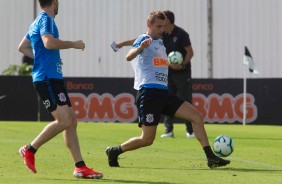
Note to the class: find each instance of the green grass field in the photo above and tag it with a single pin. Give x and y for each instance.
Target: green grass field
(256, 159)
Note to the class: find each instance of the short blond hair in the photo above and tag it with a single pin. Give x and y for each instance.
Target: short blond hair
(156, 15)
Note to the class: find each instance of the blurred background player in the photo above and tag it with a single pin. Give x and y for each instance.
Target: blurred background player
(179, 77)
(42, 44)
(153, 98)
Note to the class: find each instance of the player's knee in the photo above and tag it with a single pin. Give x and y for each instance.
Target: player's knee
(70, 122)
(67, 121)
(150, 142)
(198, 118)
(147, 142)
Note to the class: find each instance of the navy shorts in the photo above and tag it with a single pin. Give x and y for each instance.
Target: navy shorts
(52, 93)
(152, 103)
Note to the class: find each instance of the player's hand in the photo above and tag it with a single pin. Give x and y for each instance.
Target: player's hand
(176, 66)
(146, 43)
(115, 46)
(79, 44)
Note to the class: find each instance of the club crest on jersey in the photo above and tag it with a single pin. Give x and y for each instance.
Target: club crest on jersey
(174, 39)
(62, 97)
(150, 118)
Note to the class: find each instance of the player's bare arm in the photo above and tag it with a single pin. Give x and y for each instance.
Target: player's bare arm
(55, 44)
(187, 59)
(25, 48)
(126, 43)
(189, 55)
(135, 51)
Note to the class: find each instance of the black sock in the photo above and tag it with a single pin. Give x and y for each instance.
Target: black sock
(79, 164)
(208, 151)
(31, 149)
(117, 150)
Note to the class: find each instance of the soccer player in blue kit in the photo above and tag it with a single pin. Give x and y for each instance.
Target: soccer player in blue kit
(42, 43)
(153, 99)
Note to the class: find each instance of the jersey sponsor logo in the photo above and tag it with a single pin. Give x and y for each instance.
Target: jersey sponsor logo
(59, 70)
(160, 62)
(161, 77)
(59, 67)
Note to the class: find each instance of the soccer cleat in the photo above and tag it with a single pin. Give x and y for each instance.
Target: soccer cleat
(168, 134)
(192, 135)
(217, 162)
(112, 157)
(85, 172)
(28, 157)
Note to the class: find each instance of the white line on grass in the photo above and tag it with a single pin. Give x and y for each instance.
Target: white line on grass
(257, 163)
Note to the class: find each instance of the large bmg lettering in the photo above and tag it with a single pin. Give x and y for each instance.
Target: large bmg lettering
(214, 108)
(225, 108)
(104, 108)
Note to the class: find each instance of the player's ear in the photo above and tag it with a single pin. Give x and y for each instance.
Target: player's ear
(149, 25)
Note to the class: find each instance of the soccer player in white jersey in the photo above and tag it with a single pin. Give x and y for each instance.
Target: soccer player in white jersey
(153, 99)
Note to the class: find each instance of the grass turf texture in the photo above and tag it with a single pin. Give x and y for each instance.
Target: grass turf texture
(256, 159)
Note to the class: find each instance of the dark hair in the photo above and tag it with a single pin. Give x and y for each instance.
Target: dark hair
(156, 15)
(44, 3)
(170, 16)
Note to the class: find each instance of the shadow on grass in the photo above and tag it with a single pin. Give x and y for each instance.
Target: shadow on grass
(155, 168)
(249, 170)
(240, 169)
(134, 181)
(214, 169)
(107, 181)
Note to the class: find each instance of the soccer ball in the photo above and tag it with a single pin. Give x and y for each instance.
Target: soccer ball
(223, 146)
(175, 57)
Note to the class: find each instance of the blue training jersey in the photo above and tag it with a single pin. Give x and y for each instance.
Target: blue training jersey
(47, 63)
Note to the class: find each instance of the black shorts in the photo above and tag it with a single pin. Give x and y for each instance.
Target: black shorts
(52, 93)
(152, 103)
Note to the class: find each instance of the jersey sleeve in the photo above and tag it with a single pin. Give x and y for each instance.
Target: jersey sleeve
(185, 40)
(27, 36)
(139, 40)
(46, 26)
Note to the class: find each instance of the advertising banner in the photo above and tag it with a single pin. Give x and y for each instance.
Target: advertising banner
(18, 100)
(113, 100)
